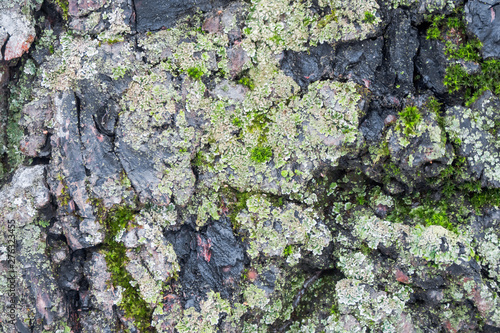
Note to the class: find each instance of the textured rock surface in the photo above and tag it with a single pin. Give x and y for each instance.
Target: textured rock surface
(16, 33)
(483, 20)
(154, 14)
(262, 166)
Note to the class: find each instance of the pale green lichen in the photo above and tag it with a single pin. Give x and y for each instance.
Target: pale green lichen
(376, 310)
(271, 229)
(117, 29)
(206, 321)
(282, 25)
(472, 130)
(318, 128)
(75, 59)
(424, 6)
(423, 242)
(357, 266)
(255, 297)
(489, 250)
(378, 197)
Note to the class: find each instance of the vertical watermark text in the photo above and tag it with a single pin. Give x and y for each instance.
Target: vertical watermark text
(11, 272)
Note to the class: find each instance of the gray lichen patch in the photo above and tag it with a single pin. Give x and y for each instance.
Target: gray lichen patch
(300, 136)
(28, 190)
(284, 27)
(272, 229)
(475, 132)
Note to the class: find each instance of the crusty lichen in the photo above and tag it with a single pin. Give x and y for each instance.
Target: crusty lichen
(270, 229)
(376, 310)
(472, 129)
(208, 318)
(282, 25)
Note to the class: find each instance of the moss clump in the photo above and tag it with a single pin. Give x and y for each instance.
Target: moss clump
(43, 223)
(287, 251)
(458, 199)
(460, 48)
(433, 105)
(468, 51)
(473, 85)
(114, 40)
(369, 18)
(199, 160)
(195, 73)
(248, 82)
(333, 16)
(116, 259)
(238, 202)
(64, 5)
(237, 122)
(411, 117)
(435, 217)
(261, 154)
(486, 197)
(64, 197)
(434, 31)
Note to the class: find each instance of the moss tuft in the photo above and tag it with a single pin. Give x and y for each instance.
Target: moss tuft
(369, 18)
(116, 259)
(411, 117)
(195, 73)
(473, 85)
(64, 5)
(261, 154)
(248, 82)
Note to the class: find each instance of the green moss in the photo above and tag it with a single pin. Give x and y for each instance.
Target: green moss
(238, 202)
(411, 117)
(485, 197)
(199, 160)
(64, 5)
(117, 220)
(468, 51)
(455, 23)
(43, 223)
(195, 73)
(365, 249)
(473, 85)
(288, 250)
(260, 122)
(114, 40)
(393, 169)
(116, 259)
(458, 199)
(248, 82)
(333, 16)
(433, 33)
(459, 47)
(433, 105)
(369, 18)
(261, 154)
(237, 122)
(432, 216)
